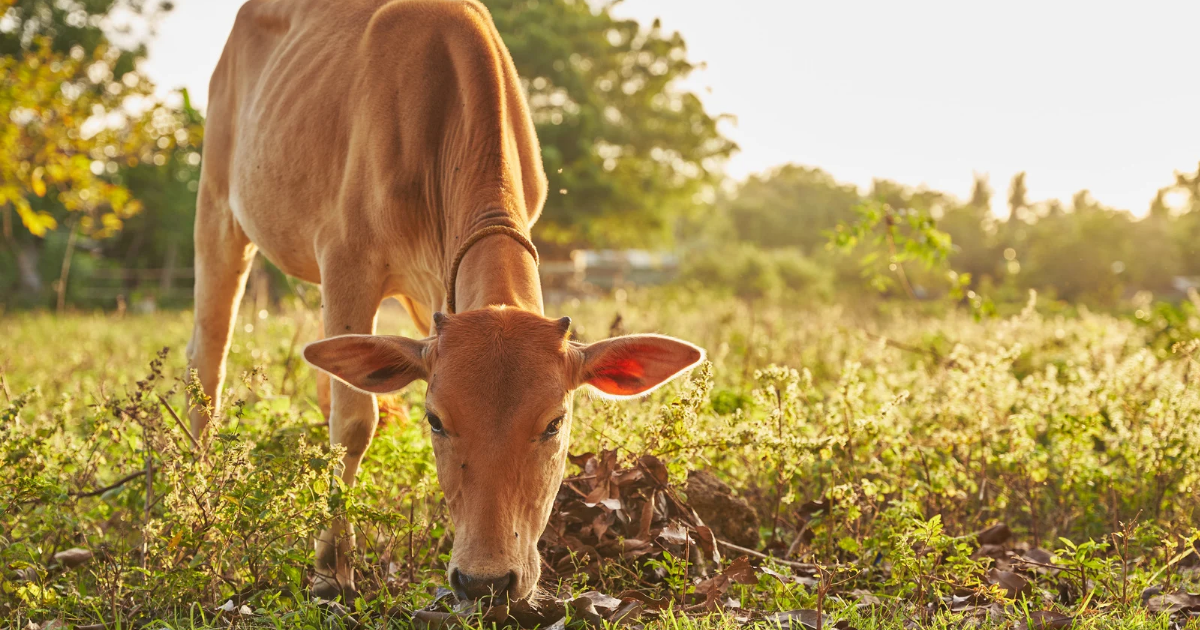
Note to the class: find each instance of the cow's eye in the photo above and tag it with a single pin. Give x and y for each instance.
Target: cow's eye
(435, 423)
(553, 427)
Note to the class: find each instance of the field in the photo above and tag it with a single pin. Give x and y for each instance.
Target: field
(899, 468)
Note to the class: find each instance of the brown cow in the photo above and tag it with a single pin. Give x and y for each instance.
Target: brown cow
(383, 148)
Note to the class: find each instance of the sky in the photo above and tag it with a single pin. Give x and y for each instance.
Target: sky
(1096, 95)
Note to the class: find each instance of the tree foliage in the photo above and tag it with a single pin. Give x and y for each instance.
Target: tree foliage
(67, 123)
(82, 126)
(625, 147)
(791, 206)
(66, 24)
(1080, 251)
(891, 236)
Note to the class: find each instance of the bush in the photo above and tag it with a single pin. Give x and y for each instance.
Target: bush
(750, 273)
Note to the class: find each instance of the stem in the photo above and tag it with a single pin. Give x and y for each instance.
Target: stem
(821, 591)
(687, 555)
(779, 466)
(891, 241)
(803, 566)
(412, 508)
(149, 455)
(117, 484)
(186, 431)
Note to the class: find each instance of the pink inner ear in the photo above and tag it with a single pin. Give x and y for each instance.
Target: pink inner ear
(623, 377)
(629, 366)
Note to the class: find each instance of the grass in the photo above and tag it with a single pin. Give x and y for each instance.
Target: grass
(874, 445)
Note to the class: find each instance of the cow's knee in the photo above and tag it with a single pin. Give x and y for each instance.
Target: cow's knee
(352, 426)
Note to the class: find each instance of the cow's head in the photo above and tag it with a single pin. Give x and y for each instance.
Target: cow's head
(499, 407)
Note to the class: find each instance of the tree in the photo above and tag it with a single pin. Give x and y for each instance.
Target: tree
(165, 181)
(1187, 230)
(894, 226)
(1080, 255)
(981, 193)
(972, 228)
(626, 149)
(1154, 265)
(62, 138)
(1018, 200)
(88, 24)
(791, 206)
(79, 116)
(56, 150)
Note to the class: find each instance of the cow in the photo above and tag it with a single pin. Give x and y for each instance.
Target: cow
(384, 148)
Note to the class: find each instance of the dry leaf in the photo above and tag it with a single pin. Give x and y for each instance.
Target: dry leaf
(1174, 602)
(1045, 620)
(73, 557)
(997, 534)
(794, 620)
(1014, 585)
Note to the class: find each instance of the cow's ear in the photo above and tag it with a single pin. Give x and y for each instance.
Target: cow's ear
(636, 364)
(372, 363)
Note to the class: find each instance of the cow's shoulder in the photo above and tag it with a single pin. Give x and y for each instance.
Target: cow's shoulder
(267, 15)
(405, 18)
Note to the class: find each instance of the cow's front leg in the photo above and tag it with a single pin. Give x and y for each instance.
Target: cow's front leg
(350, 305)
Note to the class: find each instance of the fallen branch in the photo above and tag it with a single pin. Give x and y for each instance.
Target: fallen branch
(1034, 563)
(803, 566)
(117, 484)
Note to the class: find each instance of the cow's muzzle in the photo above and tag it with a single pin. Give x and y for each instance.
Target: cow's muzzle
(469, 587)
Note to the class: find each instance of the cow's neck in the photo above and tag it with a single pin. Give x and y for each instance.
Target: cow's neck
(495, 271)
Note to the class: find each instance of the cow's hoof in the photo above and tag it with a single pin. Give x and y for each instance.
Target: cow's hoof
(330, 588)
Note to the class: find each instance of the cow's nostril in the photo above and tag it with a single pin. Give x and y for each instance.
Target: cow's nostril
(471, 587)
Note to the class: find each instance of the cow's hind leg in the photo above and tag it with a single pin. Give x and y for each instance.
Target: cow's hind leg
(350, 304)
(223, 257)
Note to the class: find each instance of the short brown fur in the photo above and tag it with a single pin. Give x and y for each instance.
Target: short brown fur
(358, 144)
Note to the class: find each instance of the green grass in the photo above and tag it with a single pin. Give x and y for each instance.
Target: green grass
(918, 430)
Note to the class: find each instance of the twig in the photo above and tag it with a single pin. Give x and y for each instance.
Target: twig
(803, 566)
(907, 348)
(117, 484)
(287, 363)
(929, 481)
(4, 388)
(1038, 564)
(186, 431)
(797, 541)
(891, 241)
(148, 454)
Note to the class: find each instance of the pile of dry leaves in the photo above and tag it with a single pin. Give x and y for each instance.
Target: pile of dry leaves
(647, 549)
(609, 522)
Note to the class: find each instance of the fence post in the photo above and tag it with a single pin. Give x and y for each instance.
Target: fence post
(168, 270)
(66, 268)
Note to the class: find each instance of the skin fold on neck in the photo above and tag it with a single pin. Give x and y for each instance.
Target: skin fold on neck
(498, 271)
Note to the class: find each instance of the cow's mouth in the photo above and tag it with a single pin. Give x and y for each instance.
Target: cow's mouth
(470, 587)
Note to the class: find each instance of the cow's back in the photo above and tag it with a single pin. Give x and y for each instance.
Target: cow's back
(321, 130)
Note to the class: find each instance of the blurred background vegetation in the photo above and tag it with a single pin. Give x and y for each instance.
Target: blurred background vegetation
(98, 174)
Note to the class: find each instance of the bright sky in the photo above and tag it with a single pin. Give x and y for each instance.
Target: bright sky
(1096, 95)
